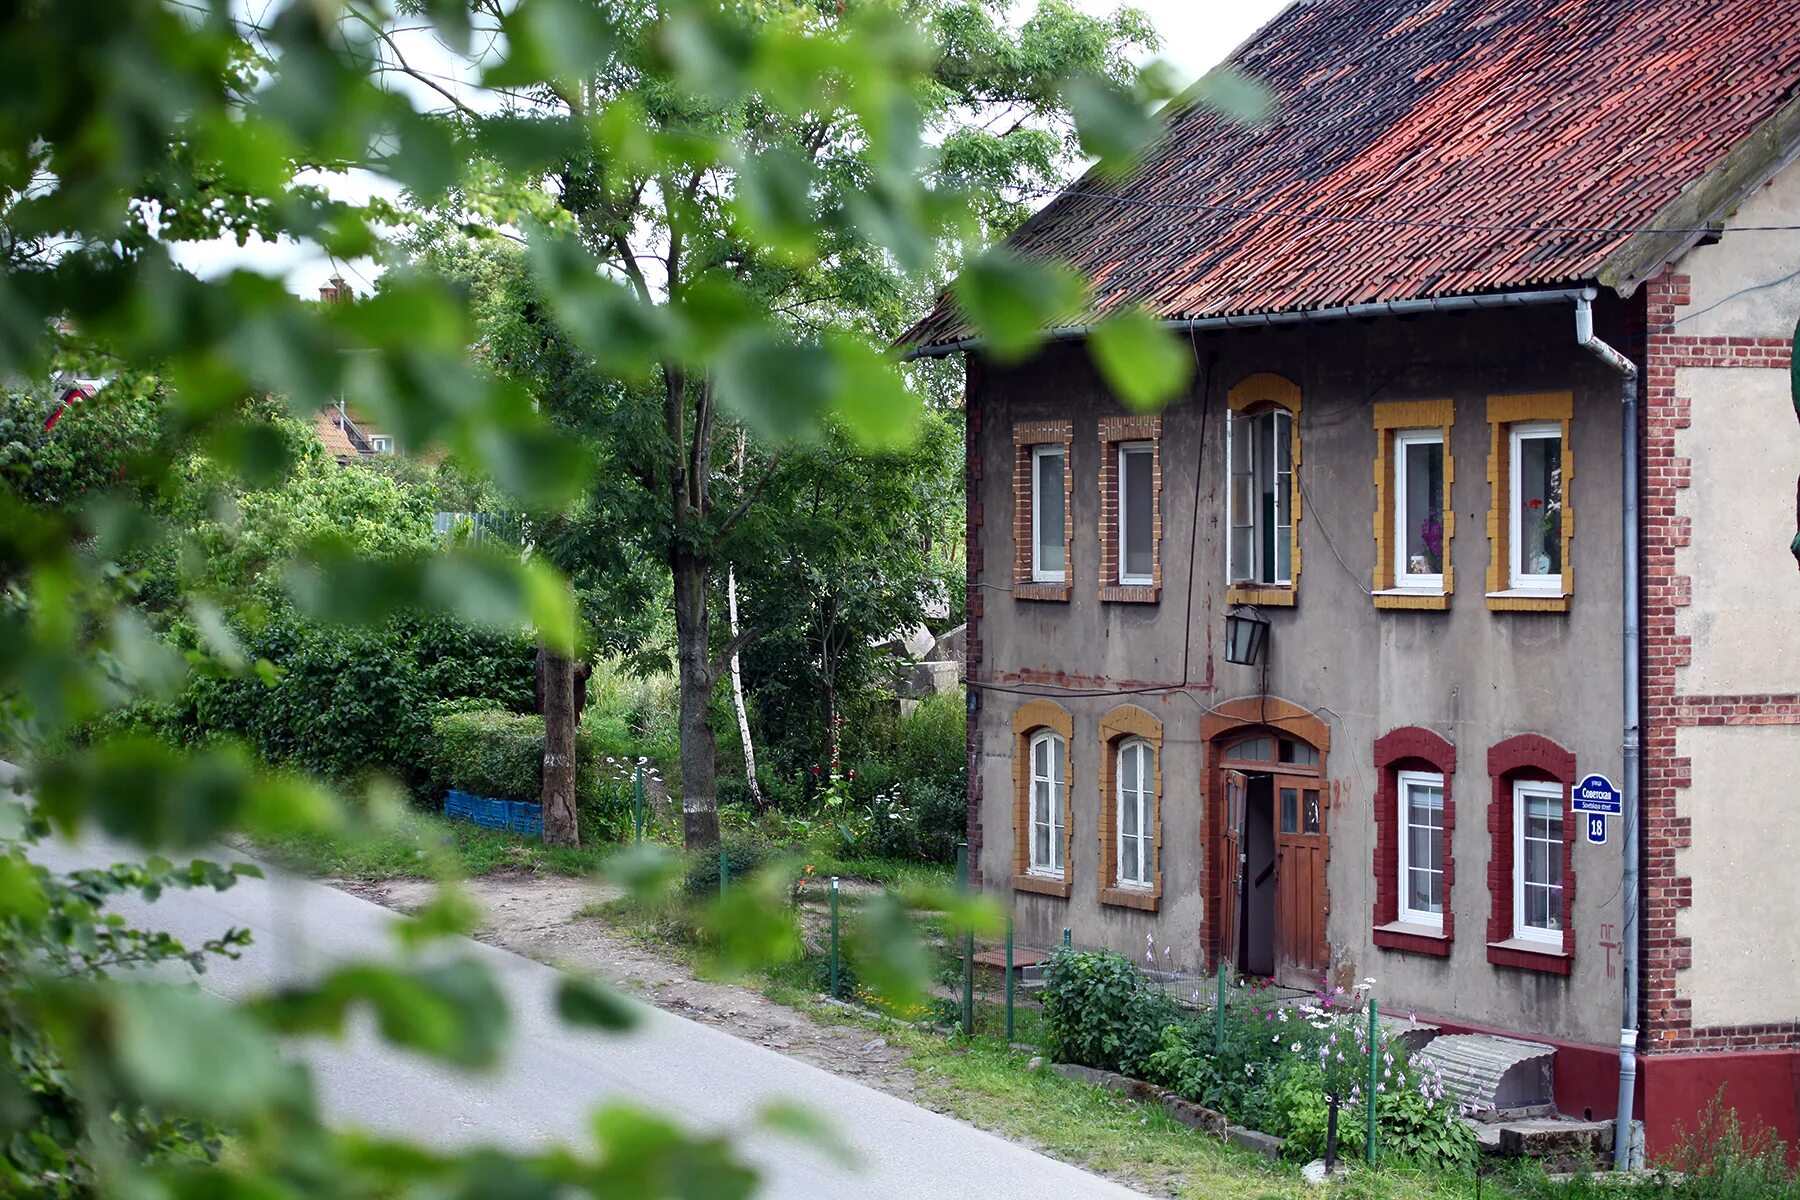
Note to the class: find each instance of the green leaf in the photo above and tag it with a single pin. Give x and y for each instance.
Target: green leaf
(583, 1001)
(1233, 93)
(182, 1047)
(1114, 126)
(794, 1121)
(1012, 300)
(1143, 363)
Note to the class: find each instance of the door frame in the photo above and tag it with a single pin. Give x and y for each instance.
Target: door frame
(1220, 726)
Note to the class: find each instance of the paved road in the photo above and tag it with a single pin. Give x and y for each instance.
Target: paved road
(554, 1077)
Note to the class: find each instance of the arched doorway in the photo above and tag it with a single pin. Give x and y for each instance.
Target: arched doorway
(1269, 843)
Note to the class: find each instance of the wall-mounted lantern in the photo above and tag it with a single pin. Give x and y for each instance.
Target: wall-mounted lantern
(1245, 635)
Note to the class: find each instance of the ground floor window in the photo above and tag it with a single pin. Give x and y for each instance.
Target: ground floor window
(1531, 876)
(1137, 849)
(1049, 796)
(1422, 848)
(1538, 862)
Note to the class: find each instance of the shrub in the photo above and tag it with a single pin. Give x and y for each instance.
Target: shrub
(498, 754)
(1099, 1012)
(742, 859)
(921, 820)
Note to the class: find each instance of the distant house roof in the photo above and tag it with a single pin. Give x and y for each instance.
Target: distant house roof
(1426, 148)
(340, 442)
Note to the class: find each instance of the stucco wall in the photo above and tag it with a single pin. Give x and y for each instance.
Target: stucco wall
(1473, 675)
(1742, 923)
(1741, 620)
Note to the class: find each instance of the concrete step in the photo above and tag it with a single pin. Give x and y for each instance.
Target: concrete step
(1492, 1076)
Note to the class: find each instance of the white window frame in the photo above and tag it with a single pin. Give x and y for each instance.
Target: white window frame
(381, 444)
(1517, 578)
(1522, 789)
(1405, 781)
(1057, 806)
(1144, 877)
(1040, 574)
(1402, 581)
(1124, 448)
(1280, 423)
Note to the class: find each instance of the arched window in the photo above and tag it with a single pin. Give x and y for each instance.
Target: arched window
(1042, 730)
(1049, 802)
(1137, 816)
(1532, 865)
(1262, 496)
(1415, 819)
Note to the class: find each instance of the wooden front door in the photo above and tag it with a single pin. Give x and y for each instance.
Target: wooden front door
(1301, 901)
(1231, 863)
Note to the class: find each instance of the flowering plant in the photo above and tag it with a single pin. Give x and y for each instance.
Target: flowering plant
(1431, 534)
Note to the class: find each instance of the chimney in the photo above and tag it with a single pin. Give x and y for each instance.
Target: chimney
(336, 291)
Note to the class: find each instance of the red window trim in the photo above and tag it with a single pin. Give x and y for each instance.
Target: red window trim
(1527, 756)
(1410, 747)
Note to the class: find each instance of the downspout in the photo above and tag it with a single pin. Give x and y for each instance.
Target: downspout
(1628, 1020)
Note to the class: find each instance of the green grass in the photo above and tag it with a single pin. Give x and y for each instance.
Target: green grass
(901, 876)
(425, 845)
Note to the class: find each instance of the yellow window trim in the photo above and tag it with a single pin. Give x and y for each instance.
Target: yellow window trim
(1027, 720)
(1128, 721)
(1257, 390)
(1392, 416)
(1503, 412)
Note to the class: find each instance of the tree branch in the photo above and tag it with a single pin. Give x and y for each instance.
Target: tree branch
(750, 497)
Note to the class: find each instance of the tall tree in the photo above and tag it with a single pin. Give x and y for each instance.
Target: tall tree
(816, 224)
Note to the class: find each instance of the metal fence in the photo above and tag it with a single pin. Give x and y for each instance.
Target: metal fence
(502, 529)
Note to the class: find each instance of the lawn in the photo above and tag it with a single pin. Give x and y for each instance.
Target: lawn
(426, 845)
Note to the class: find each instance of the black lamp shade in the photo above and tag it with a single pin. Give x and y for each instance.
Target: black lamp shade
(1244, 638)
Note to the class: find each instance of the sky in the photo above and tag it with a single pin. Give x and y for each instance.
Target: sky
(1196, 34)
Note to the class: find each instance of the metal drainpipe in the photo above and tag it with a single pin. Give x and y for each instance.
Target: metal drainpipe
(1628, 1021)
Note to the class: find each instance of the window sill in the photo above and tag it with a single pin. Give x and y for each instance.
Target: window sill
(1527, 955)
(1528, 600)
(1042, 885)
(1041, 591)
(1130, 593)
(1147, 898)
(1416, 599)
(1414, 938)
(1274, 595)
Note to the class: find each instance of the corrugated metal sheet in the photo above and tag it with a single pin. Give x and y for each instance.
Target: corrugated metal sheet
(1475, 1068)
(1420, 149)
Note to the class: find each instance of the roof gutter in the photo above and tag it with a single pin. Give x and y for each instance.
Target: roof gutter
(1379, 308)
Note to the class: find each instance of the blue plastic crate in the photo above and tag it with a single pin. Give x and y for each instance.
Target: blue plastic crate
(459, 805)
(527, 818)
(493, 814)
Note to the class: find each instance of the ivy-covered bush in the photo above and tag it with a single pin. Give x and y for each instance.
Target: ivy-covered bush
(1099, 1012)
(346, 702)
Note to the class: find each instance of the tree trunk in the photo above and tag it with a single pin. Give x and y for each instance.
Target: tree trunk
(556, 691)
(693, 649)
(737, 694)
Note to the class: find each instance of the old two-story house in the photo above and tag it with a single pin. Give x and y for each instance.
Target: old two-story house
(1482, 489)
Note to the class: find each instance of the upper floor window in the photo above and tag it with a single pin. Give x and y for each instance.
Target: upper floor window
(1421, 861)
(1419, 509)
(1049, 557)
(1536, 510)
(1538, 862)
(1262, 496)
(1137, 816)
(1529, 470)
(381, 444)
(1137, 507)
(1049, 802)
(1042, 532)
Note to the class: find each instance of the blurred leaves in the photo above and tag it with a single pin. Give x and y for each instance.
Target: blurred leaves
(1145, 364)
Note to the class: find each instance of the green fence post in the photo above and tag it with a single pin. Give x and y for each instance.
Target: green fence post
(834, 937)
(1009, 981)
(1374, 1073)
(724, 872)
(1067, 943)
(968, 963)
(1219, 1012)
(637, 806)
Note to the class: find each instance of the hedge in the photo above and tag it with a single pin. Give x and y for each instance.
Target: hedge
(501, 755)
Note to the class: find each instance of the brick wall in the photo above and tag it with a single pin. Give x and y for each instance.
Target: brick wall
(1401, 749)
(1667, 775)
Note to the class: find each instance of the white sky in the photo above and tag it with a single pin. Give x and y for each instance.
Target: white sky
(1196, 34)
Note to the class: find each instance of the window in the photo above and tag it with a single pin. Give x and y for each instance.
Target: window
(1535, 512)
(1049, 552)
(1421, 848)
(1419, 509)
(380, 444)
(1538, 862)
(1130, 817)
(1136, 797)
(1042, 532)
(1042, 732)
(1262, 497)
(1530, 470)
(1137, 549)
(1266, 749)
(1049, 797)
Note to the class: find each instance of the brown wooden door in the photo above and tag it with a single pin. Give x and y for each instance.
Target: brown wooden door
(1301, 955)
(1231, 865)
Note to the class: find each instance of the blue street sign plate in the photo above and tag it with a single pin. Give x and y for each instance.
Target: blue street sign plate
(1596, 794)
(1597, 828)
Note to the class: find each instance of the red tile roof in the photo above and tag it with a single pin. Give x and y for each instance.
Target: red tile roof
(1440, 138)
